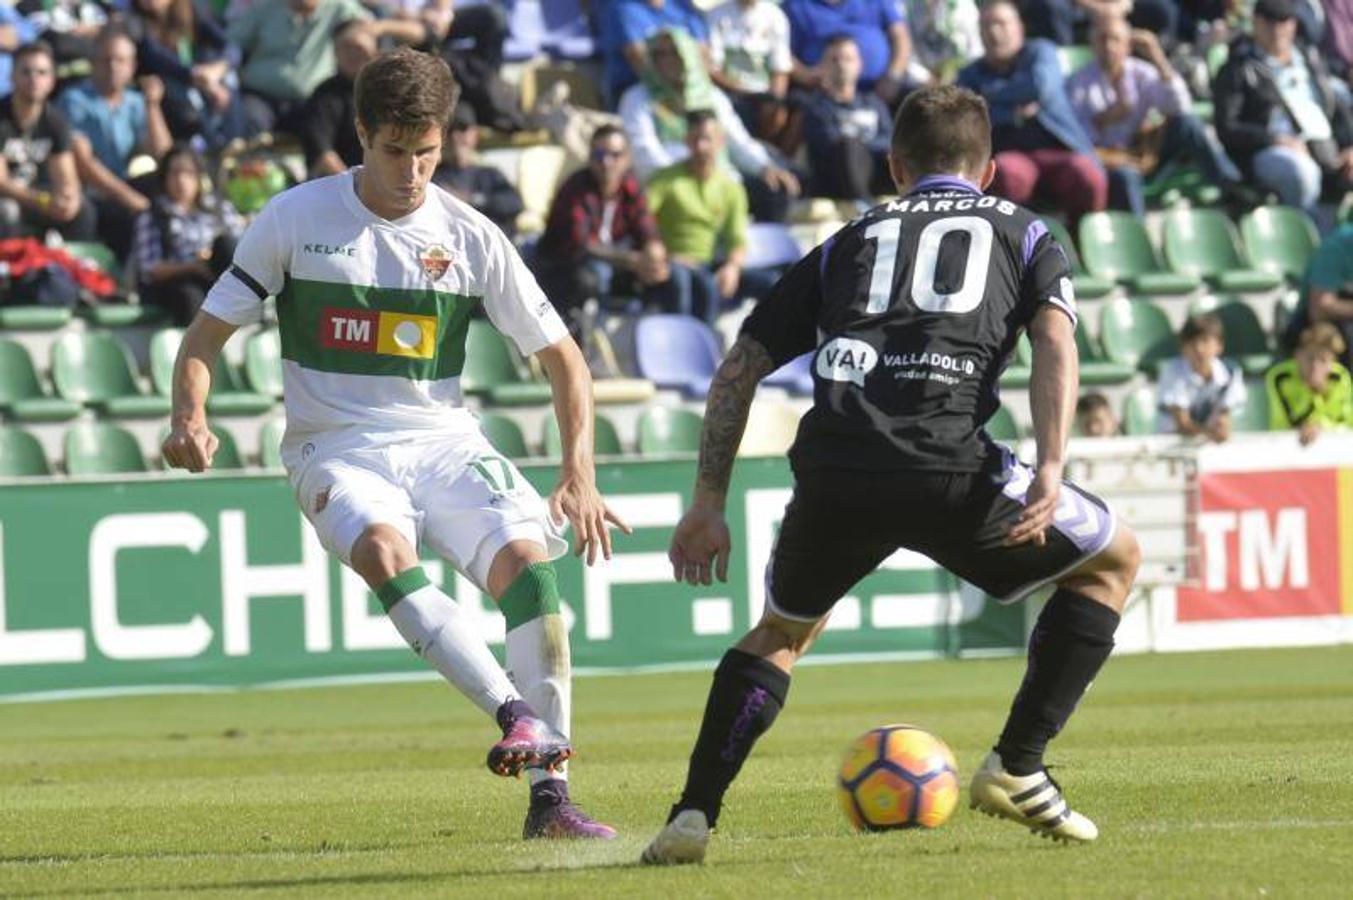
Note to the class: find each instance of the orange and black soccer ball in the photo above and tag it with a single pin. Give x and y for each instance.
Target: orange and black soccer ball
(898, 776)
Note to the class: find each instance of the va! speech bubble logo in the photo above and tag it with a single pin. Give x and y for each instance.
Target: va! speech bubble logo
(846, 359)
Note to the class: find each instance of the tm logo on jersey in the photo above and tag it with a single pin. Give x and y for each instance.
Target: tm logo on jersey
(372, 331)
(846, 359)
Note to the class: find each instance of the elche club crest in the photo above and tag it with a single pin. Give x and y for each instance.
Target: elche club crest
(435, 260)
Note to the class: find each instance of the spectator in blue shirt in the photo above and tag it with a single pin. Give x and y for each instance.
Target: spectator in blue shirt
(15, 31)
(625, 30)
(847, 132)
(878, 28)
(1040, 148)
(112, 121)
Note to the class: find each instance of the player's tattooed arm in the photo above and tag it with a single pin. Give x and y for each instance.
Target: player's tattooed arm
(730, 398)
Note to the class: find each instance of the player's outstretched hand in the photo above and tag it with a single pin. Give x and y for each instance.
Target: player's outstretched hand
(1040, 504)
(578, 500)
(190, 447)
(701, 543)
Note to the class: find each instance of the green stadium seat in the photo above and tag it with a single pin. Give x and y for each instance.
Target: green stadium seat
(21, 455)
(493, 371)
(123, 315)
(1253, 416)
(666, 429)
(1140, 412)
(100, 448)
(1095, 369)
(21, 393)
(95, 368)
(1115, 245)
(227, 398)
(1280, 239)
(270, 442)
(1244, 337)
(1018, 373)
(606, 441)
(34, 318)
(263, 362)
(1002, 425)
(1137, 333)
(504, 434)
(771, 429)
(101, 255)
(1088, 287)
(1203, 243)
(227, 454)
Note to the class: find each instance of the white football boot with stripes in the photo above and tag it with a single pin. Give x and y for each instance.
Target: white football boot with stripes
(1032, 800)
(681, 841)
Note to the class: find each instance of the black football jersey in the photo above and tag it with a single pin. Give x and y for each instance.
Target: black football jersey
(912, 312)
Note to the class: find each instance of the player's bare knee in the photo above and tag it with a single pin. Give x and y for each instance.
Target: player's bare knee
(786, 640)
(1108, 578)
(380, 553)
(510, 562)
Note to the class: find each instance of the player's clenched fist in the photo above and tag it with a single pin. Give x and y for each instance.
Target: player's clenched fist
(701, 543)
(190, 447)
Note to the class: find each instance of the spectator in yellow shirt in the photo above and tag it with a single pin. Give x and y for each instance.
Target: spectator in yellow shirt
(1311, 392)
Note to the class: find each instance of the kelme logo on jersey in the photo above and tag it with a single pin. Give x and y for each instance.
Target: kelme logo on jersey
(846, 359)
(372, 331)
(436, 260)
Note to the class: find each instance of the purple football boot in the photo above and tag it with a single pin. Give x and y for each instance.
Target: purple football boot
(528, 742)
(554, 816)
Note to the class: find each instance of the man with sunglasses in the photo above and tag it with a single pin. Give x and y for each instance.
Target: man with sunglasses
(600, 239)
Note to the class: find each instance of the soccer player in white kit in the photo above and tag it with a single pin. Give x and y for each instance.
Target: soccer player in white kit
(376, 274)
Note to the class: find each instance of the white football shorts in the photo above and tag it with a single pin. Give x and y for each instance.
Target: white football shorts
(450, 492)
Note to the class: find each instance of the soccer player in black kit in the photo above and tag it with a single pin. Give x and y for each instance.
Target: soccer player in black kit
(913, 311)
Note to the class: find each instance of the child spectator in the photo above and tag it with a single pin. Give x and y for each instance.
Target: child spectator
(1094, 416)
(186, 239)
(1197, 390)
(1311, 392)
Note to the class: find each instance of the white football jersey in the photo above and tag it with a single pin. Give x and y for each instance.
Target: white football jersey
(373, 314)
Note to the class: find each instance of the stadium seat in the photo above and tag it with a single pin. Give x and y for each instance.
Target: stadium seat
(100, 255)
(95, 368)
(770, 244)
(1140, 412)
(504, 434)
(1088, 287)
(122, 315)
(667, 429)
(622, 390)
(1095, 368)
(1253, 416)
(21, 393)
(1002, 425)
(1020, 370)
(1137, 333)
(1115, 245)
(263, 362)
(227, 454)
(771, 428)
(100, 448)
(270, 442)
(605, 442)
(567, 32)
(1280, 239)
(676, 351)
(539, 171)
(1244, 337)
(34, 318)
(226, 398)
(492, 370)
(525, 30)
(1203, 243)
(21, 455)
(795, 376)
(538, 80)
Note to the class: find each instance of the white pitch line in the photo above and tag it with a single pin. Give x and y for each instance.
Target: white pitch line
(1250, 825)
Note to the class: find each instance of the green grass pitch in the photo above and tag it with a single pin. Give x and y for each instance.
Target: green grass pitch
(1210, 775)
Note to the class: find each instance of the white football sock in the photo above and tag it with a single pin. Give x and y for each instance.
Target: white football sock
(538, 662)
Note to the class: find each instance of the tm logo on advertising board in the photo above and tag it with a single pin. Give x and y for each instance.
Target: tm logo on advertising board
(1270, 546)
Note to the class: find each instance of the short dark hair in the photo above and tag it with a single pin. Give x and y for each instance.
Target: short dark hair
(942, 130)
(840, 37)
(1092, 402)
(36, 48)
(697, 117)
(114, 31)
(406, 89)
(1201, 325)
(607, 129)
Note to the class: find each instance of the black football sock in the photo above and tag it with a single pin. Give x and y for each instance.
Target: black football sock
(747, 694)
(1070, 642)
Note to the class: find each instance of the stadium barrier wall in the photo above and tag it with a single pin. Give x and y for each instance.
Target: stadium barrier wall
(167, 581)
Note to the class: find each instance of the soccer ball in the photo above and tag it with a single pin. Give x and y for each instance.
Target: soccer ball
(898, 776)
